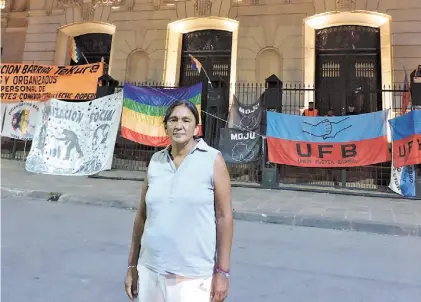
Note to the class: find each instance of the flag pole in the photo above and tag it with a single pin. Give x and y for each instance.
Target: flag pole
(84, 57)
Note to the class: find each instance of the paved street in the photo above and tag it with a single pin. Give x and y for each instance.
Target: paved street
(334, 211)
(72, 252)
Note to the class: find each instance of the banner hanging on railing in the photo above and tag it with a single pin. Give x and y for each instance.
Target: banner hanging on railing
(346, 141)
(246, 117)
(406, 137)
(20, 119)
(403, 181)
(75, 138)
(33, 82)
(144, 109)
(239, 146)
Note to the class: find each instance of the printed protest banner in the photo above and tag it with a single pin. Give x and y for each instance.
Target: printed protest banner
(20, 119)
(403, 181)
(346, 141)
(76, 138)
(246, 117)
(32, 82)
(406, 137)
(239, 146)
(144, 109)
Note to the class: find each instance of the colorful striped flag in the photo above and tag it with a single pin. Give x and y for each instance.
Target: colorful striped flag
(74, 51)
(195, 63)
(144, 109)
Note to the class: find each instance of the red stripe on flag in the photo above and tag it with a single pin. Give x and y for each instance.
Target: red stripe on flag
(407, 151)
(328, 155)
(154, 141)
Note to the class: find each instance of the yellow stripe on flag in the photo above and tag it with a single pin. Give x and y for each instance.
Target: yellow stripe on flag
(142, 123)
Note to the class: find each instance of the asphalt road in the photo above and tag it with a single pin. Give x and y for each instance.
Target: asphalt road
(76, 253)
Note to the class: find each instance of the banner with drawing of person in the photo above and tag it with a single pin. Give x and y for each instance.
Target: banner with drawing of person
(20, 119)
(75, 138)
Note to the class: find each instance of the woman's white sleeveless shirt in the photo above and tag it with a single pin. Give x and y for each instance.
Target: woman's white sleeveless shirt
(180, 230)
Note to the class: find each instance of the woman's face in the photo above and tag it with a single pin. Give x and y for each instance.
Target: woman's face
(181, 125)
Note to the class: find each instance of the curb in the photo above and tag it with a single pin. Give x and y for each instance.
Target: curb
(347, 192)
(291, 220)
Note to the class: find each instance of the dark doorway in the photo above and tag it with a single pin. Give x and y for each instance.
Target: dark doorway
(93, 47)
(213, 49)
(348, 69)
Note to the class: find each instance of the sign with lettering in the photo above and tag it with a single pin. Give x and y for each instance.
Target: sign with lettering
(406, 137)
(76, 138)
(403, 181)
(32, 82)
(239, 146)
(20, 119)
(246, 117)
(345, 141)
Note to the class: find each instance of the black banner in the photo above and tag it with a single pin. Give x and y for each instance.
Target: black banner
(239, 146)
(247, 117)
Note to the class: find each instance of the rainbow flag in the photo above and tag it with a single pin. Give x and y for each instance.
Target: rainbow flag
(144, 109)
(74, 51)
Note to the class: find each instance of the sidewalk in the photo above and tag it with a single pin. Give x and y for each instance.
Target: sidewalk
(370, 214)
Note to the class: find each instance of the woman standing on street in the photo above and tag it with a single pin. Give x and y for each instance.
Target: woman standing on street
(182, 234)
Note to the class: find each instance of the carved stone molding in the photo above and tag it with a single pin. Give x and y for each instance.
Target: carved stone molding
(203, 8)
(345, 5)
(87, 7)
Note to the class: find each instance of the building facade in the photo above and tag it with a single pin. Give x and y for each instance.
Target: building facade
(338, 46)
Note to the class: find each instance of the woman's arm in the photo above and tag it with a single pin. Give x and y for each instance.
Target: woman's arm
(138, 227)
(223, 212)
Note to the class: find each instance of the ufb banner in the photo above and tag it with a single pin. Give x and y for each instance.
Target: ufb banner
(20, 119)
(406, 137)
(32, 82)
(144, 110)
(76, 138)
(239, 146)
(345, 141)
(403, 181)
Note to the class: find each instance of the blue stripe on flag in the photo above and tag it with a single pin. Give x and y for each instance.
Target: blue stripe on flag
(160, 96)
(327, 129)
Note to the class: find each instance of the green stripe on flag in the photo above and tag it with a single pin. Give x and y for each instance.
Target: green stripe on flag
(145, 109)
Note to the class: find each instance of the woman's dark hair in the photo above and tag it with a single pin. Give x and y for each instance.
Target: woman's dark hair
(186, 103)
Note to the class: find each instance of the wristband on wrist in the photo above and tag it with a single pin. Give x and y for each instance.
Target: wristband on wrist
(132, 266)
(222, 272)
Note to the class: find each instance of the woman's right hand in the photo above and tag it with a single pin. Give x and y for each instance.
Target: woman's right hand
(131, 283)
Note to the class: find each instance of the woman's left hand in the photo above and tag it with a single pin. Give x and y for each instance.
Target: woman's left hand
(219, 290)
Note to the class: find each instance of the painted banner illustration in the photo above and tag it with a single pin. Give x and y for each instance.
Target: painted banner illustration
(75, 138)
(345, 141)
(32, 82)
(144, 109)
(20, 119)
(239, 146)
(403, 181)
(406, 137)
(246, 117)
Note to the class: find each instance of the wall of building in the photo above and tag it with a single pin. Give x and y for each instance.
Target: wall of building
(270, 36)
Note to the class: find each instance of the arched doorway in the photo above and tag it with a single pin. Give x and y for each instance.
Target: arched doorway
(93, 47)
(213, 49)
(348, 69)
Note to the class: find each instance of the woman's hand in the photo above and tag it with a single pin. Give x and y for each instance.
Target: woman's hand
(219, 290)
(131, 283)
